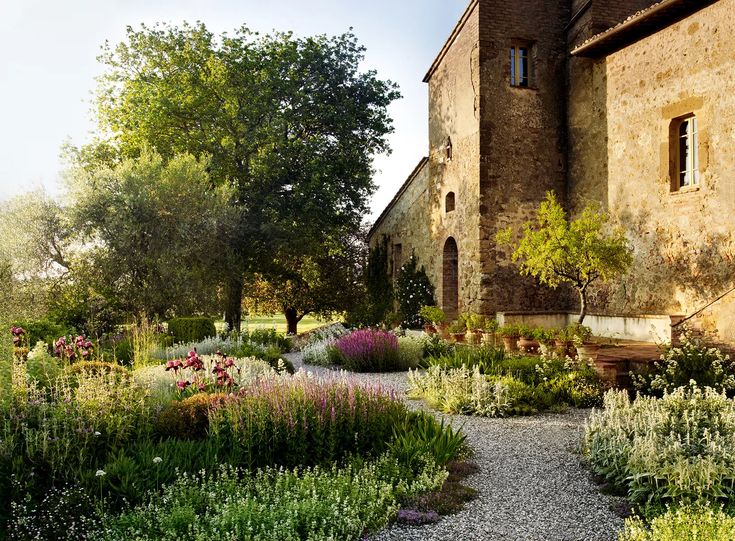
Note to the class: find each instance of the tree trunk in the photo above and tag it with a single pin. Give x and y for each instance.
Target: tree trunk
(292, 320)
(582, 304)
(233, 311)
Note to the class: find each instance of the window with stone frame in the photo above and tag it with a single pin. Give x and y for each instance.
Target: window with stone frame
(521, 64)
(684, 152)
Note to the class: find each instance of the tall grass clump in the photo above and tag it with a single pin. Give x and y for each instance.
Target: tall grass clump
(680, 448)
(369, 350)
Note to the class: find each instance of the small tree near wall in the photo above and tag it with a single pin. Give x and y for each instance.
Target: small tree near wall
(556, 250)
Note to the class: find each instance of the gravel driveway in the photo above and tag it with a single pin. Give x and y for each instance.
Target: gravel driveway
(530, 481)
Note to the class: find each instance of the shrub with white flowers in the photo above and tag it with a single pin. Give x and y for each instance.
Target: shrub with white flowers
(413, 290)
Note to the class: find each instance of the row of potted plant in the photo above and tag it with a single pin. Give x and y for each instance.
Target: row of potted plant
(515, 336)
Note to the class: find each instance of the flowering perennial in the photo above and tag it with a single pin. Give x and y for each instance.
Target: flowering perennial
(369, 350)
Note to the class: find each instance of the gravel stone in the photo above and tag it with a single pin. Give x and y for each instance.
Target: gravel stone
(531, 482)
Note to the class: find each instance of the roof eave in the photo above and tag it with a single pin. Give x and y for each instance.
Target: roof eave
(450, 40)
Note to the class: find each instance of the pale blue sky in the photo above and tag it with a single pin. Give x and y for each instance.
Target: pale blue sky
(48, 51)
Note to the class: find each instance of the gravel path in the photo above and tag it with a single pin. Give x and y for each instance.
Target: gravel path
(531, 484)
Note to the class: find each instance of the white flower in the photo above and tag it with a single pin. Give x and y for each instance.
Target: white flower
(97, 433)
(100, 473)
(157, 460)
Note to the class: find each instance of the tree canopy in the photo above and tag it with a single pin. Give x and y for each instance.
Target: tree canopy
(556, 250)
(151, 228)
(290, 123)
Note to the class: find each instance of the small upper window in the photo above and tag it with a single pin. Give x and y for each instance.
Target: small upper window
(448, 149)
(449, 202)
(520, 67)
(684, 152)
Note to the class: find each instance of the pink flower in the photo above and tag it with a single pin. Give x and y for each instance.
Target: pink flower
(229, 362)
(183, 384)
(173, 365)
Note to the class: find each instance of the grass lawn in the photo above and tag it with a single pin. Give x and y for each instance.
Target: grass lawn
(278, 322)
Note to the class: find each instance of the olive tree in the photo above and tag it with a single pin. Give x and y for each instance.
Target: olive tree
(579, 252)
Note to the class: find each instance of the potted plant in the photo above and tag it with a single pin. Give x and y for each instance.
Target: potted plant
(563, 341)
(475, 323)
(526, 341)
(510, 337)
(489, 331)
(433, 317)
(582, 335)
(457, 330)
(545, 338)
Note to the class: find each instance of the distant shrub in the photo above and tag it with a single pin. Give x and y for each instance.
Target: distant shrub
(44, 330)
(413, 291)
(191, 329)
(268, 337)
(369, 350)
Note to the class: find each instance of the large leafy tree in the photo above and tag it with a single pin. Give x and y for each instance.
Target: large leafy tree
(151, 229)
(579, 252)
(323, 284)
(290, 123)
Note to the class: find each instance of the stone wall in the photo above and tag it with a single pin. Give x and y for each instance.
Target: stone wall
(621, 110)
(523, 141)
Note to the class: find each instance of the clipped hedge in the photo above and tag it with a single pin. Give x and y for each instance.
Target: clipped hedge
(191, 329)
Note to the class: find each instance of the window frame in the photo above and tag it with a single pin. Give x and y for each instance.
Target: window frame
(685, 176)
(521, 56)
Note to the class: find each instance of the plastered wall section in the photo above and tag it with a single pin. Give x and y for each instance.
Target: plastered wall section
(454, 98)
(683, 240)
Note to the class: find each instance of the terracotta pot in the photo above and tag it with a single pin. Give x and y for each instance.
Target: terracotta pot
(474, 337)
(527, 345)
(443, 331)
(489, 338)
(458, 337)
(429, 329)
(564, 348)
(588, 351)
(510, 343)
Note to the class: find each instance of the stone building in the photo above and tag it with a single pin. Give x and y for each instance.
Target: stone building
(628, 103)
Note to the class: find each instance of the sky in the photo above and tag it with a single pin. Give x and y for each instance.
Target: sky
(48, 65)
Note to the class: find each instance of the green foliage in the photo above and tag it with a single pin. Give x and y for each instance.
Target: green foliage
(188, 419)
(691, 362)
(511, 330)
(297, 145)
(675, 449)
(191, 329)
(380, 294)
(410, 352)
(579, 252)
(432, 314)
(44, 329)
(685, 523)
(302, 504)
(155, 222)
(420, 434)
(482, 381)
(413, 291)
(485, 358)
(43, 368)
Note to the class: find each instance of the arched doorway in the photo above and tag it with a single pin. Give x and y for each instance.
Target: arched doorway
(450, 279)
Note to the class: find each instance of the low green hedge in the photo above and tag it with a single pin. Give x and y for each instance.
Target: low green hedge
(191, 329)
